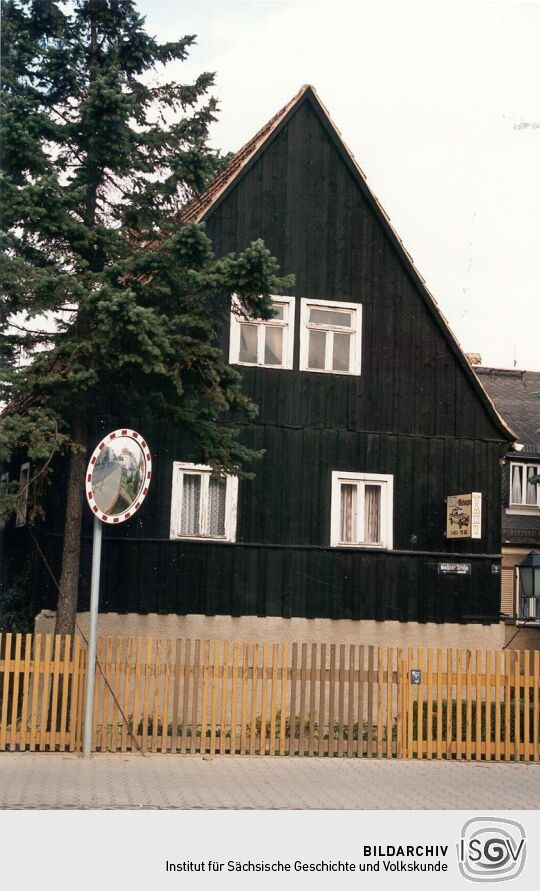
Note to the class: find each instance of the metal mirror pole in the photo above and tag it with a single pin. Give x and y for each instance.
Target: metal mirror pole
(92, 640)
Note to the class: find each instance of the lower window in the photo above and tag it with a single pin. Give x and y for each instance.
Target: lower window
(203, 503)
(362, 506)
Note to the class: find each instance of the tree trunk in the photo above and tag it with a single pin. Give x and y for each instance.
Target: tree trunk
(66, 611)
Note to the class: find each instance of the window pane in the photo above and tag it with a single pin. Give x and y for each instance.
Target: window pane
(372, 507)
(248, 343)
(273, 346)
(279, 310)
(191, 504)
(330, 317)
(348, 512)
(317, 347)
(516, 484)
(341, 359)
(531, 487)
(216, 506)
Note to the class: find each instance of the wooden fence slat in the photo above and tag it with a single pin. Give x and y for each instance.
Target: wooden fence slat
(127, 719)
(507, 706)
(205, 739)
(283, 702)
(380, 667)
(253, 703)
(420, 705)
(26, 684)
(294, 681)
(429, 707)
(439, 703)
(479, 706)
(65, 687)
(15, 692)
(517, 706)
(459, 705)
(449, 737)
(154, 717)
(302, 707)
(526, 706)
(331, 700)
(215, 686)
(351, 701)
(322, 699)
(389, 699)
(497, 731)
(116, 668)
(234, 699)
(488, 711)
(399, 698)
(74, 699)
(316, 725)
(341, 700)
(224, 698)
(186, 679)
(273, 699)
(5, 689)
(36, 674)
(370, 702)
(536, 711)
(195, 697)
(243, 713)
(262, 743)
(468, 707)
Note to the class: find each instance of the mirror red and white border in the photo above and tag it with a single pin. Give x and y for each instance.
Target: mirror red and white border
(120, 518)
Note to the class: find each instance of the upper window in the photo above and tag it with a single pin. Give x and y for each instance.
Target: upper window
(523, 491)
(22, 503)
(362, 505)
(330, 337)
(203, 504)
(265, 342)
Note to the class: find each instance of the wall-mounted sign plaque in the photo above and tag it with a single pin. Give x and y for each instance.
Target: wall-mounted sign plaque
(454, 568)
(464, 515)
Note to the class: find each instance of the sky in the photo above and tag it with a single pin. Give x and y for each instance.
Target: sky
(439, 103)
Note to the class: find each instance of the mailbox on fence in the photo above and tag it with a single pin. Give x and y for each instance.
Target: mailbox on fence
(416, 676)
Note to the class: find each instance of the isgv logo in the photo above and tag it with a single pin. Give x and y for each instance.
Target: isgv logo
(491, 849)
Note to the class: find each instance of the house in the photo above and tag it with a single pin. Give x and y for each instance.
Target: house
(371, 419)
(516, 394)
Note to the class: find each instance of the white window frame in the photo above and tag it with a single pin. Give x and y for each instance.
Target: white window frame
(522, 506)
(231, 501)
(344, 477)
(4, 484)
(262, 324)
(22, 504)
(355, 367)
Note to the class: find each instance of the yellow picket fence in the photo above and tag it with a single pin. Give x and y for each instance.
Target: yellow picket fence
(221, 697)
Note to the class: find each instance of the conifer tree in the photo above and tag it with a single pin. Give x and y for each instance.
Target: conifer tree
(105, 291)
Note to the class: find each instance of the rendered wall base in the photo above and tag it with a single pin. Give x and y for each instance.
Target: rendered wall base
(343, 631)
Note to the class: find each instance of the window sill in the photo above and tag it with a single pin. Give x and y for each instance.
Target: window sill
(260, 365)
(523, 510)
(361, 547)
(330, 371)
(211, 538)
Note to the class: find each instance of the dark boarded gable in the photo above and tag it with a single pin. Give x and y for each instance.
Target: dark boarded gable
(416, 413)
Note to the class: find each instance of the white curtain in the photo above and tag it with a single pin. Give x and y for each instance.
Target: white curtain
(216, 506)
(372, 534)
(348, 512)
(531, 487)
(191, 504)
(516, 484)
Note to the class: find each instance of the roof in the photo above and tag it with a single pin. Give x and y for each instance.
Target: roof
(516, 395)
(199, 208)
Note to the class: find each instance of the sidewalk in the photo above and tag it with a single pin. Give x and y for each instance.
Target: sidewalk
(42, 781)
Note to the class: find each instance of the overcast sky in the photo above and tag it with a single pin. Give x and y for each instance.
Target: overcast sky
(440, 104)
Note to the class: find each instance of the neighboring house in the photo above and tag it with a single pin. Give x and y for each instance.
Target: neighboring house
(516, 395)
(370, 417)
